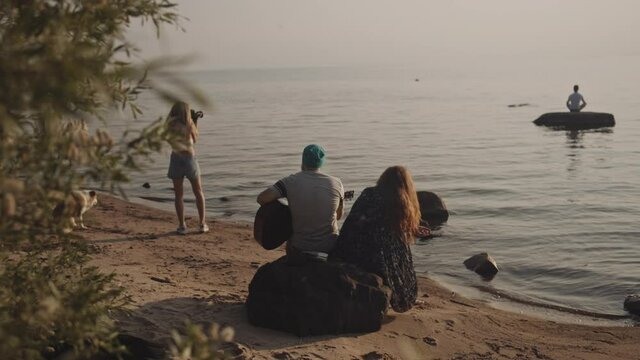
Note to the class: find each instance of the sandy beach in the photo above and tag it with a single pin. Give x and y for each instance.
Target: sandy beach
(205, 278)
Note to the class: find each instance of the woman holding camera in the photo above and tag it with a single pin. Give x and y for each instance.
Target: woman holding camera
(183, 133)
(376, 235)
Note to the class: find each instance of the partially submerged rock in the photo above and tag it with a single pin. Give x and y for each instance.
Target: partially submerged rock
(632, 304)
(432, 208)
(576, 120)
(483, 265)
(316, 298)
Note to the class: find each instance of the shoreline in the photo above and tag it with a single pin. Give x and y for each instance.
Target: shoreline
(505, 300)
(205, 278)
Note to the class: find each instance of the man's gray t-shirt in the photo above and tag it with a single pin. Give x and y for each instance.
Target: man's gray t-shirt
(313, 199)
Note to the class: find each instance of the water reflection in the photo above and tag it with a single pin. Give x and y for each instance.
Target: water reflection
(574, 138)
(575, 142)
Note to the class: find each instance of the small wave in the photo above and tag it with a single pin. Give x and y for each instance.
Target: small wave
(312, 116)
(504, 212)
(163, 199)
(479, 191)
(156, 199)
(565, 309)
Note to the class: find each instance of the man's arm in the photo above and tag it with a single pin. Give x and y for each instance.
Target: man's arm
(268, 195)
(340, 210)
(584, 103)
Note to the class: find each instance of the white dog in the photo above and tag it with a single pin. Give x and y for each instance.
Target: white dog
(76, 204)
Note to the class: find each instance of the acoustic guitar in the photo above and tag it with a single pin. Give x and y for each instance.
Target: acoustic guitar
(272, 225)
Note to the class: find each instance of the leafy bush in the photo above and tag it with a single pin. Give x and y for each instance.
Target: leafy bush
(195, 344)
(51, 305)
(62, 63)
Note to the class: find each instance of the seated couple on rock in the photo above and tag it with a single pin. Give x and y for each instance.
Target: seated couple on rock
(377, 234)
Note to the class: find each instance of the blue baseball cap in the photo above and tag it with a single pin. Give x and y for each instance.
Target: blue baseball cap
(313, 156)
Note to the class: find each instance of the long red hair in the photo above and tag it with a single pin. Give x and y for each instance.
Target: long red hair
(402, 210)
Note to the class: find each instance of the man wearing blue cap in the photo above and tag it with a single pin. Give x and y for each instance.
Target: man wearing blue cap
(316, 203)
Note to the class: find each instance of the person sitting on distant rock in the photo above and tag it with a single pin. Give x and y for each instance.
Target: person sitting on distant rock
(316, 202)
(378, 231)
(576, 102)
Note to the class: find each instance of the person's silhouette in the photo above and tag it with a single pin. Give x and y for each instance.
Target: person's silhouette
(576, 102)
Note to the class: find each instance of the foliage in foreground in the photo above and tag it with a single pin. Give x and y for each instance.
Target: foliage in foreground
(196, 344)
(64, 63)
(52, 306)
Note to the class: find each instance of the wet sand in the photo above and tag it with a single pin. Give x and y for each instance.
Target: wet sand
(205, 278)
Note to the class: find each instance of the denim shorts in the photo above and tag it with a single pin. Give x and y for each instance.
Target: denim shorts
(183, 165)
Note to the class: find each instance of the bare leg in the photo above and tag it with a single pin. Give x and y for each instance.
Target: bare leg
(199, 194)
(179, 196)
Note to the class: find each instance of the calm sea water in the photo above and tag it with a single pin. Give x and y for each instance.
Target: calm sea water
(557, 210)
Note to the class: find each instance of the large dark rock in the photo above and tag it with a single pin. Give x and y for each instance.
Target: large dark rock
(316, 298)
(632, 304)
(576, 120)
(483, 265)
(432, 208)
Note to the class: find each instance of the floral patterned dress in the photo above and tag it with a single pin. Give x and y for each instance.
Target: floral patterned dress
(366, 241)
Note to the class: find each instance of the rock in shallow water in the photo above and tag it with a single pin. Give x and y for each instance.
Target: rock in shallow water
(483, 265)
(632, 304)
(432, 208)
(576, 120)
(316, 298)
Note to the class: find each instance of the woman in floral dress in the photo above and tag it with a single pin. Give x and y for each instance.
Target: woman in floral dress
(377, 234)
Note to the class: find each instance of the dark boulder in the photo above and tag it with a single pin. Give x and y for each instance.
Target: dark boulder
(432, 208)
(483, 265)
(632, 304)
(316, 298)
(576, 120)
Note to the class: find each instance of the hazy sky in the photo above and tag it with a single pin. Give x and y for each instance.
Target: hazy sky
(283, 33)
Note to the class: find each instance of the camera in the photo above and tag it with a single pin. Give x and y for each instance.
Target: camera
(195, 115)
